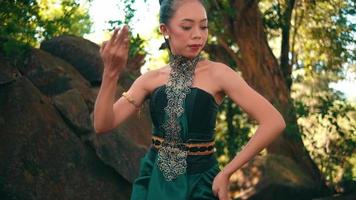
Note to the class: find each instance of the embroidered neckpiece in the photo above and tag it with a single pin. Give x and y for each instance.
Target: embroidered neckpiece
(172, 154)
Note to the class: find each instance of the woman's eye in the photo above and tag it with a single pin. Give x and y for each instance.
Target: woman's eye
(204, 27)
(186, 28)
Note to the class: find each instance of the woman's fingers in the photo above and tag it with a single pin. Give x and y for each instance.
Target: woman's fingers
(223, 195)
(126, 41)
(122, 35)
(103, 46)
(215, 192)
(113, 37)
(123, 41)
(220, 194)
(117, 45)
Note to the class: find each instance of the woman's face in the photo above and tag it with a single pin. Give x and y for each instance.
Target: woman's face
(188, 29)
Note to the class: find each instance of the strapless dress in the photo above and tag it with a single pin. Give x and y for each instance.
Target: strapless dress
(198, 125)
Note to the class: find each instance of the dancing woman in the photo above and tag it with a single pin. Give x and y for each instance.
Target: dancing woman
(184, 99)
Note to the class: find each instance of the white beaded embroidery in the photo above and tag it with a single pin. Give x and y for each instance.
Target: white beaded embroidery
(172, 154)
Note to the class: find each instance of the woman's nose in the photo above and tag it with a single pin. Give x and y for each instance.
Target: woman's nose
(196, 33)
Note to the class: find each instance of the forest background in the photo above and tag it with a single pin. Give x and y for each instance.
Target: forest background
(312, 43)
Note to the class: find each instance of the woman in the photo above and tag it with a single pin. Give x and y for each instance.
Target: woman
(184, 99)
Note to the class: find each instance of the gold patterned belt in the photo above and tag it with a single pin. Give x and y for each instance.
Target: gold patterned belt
(204, 148)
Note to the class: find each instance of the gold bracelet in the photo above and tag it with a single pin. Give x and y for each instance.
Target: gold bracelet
(129, 99)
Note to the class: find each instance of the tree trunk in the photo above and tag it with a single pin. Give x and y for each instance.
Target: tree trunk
(284, 60)
(260, 69)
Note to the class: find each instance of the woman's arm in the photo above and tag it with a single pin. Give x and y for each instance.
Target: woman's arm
(107, 114)
(271, 122)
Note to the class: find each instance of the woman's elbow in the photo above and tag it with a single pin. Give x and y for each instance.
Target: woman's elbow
(281, 123)
(102, 125)
(276, 122)
(100, 129)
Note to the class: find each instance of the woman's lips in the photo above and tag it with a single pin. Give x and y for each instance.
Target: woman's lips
(194, 47)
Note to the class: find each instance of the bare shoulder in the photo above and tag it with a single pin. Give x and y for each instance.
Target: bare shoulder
(218, 69)
(149, 80)
(221, 73)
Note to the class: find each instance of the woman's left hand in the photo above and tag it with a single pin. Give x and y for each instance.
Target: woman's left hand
(221, 186)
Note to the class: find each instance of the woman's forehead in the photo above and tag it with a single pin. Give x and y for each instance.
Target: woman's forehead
(192, 20)
(190, 11)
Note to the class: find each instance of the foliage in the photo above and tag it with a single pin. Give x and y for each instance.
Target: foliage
(31, 21)
(136, 42)
(232, 131)
(319, 41)
(327, 122)
(322, 46)
(18, 20)
(60, 17)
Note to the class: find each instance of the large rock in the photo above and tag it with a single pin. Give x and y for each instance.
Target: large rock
(123, 147)
(66, 100)
(118, 151)
(48, 148)
(82, 54)
(85, 57)
(272, 177)
(53, 76)
(72, 107)
(138, 126)
(41, 158)
(8, 73)
(141, 134)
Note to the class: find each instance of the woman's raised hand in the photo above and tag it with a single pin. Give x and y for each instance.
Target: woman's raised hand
(114, 52)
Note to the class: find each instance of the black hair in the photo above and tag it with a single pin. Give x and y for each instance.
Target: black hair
(167, 9)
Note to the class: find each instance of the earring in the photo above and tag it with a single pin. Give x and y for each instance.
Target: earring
(166, 37)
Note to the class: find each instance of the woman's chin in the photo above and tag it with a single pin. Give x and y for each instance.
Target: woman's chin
(188, 54)
(191, 54)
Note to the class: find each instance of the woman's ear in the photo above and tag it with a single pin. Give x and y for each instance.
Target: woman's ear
(164, 30)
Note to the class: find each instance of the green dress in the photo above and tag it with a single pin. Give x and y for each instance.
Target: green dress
(198, 125)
